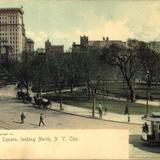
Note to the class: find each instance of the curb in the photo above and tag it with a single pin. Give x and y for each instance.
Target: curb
(94, 118)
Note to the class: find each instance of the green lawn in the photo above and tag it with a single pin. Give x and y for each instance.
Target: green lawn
(80, 100)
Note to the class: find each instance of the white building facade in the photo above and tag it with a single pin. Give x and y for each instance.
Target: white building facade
(12, 32)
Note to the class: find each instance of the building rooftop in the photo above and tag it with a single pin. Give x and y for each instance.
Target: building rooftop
(12, 10)
(29, 40)
(155, 114)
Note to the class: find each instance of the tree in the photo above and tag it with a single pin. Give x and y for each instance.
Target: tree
(57, 72)
(125, 58)
(73, 76)
(39, 71)
(150, 59)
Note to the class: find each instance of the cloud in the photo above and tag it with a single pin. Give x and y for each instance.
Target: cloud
(95, 27)
(39, 37)
(140, 24)
(145, 24)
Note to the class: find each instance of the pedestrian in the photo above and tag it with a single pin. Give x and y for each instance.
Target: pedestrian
(145, 127)
(22, 117)
(41, 120)
(100, 111)
(106, 109)
(129, 119)
(126, 111)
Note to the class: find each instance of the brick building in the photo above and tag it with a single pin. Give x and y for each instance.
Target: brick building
(53, 49)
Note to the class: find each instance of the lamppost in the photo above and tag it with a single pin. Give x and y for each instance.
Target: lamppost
(148, 86)
(93, 89)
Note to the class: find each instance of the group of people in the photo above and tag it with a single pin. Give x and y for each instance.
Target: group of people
(40, 119)
(100, 111)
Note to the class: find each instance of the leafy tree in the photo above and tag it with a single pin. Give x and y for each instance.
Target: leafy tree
(125, 58)
(39, 71)
(150, 60)
(73, 75)
(57, 73)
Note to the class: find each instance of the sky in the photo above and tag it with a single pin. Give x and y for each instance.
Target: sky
(64, 21)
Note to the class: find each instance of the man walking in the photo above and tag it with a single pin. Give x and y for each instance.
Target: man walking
(129, 119)
(126, 111)
(41, 120)
(100, 111)
(22, 117)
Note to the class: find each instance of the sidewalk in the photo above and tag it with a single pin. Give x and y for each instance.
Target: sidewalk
(120, 118)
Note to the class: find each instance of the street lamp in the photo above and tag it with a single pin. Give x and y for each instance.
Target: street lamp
(148, 85)
(93, 88)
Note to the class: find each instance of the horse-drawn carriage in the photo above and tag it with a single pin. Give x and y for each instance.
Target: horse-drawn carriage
(151, 132)
(42, 103)
(24, 96)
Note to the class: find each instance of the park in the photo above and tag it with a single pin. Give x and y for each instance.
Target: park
(92, 88)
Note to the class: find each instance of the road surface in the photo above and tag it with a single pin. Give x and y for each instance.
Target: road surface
(11, 109)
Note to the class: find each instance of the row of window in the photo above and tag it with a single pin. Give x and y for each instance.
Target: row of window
(11, 22)
(9, 15)
(11, 30)
(11, 40)
(11, 33)
(5, 17)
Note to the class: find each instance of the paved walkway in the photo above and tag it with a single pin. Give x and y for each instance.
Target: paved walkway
(109, 116)
(134, 119)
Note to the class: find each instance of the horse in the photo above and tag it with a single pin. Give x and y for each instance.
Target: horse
(28, 97)
(24, 96)
(20, 95)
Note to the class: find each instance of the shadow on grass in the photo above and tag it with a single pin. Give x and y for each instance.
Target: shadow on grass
(135, 140)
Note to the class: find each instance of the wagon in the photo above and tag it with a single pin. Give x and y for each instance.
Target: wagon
(151, 135)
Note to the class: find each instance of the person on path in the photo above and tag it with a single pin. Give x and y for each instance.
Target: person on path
(145, 127)
(129, 119)
(41, 120)
(22, 117)
(106, 109)
(126, 111)
(100, 111)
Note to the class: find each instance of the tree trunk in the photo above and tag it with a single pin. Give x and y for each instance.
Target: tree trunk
(156, 85)
(88, 90)
(60, 100)
(131, 90)
(40, 91)
(94, 102)
(27, 87)
(71, 89)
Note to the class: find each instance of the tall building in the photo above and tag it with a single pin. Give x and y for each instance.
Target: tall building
(12, 31)
(53, 49)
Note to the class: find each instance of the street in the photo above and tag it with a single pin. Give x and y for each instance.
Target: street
(11, 109)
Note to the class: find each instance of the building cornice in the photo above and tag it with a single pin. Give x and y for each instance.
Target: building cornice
(7, 10)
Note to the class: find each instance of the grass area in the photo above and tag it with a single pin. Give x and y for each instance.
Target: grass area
(80, 100)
